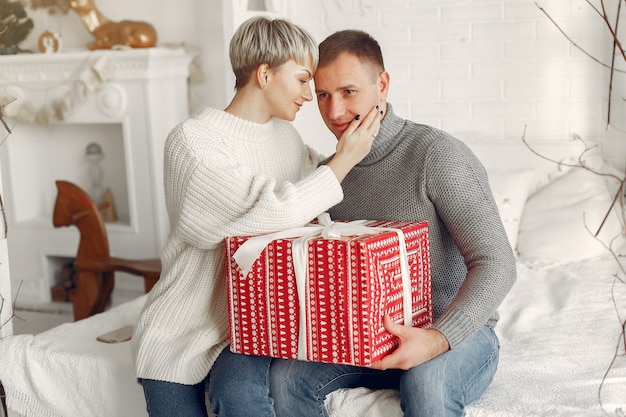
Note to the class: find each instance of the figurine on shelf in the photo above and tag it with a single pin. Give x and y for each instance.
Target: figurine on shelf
(94, 156)
(109, 34)
(99, 194)
(49, 41)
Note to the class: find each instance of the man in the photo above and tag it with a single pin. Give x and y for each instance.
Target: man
(413, 172)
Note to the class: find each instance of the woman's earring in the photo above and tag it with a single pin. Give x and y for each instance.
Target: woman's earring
(264, 86)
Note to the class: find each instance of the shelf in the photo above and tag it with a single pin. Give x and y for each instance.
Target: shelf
(39, 155)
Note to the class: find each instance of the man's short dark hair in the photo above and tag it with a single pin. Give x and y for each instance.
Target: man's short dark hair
(355, 42)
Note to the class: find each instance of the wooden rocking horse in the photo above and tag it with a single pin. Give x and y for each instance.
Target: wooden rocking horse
(94, 268)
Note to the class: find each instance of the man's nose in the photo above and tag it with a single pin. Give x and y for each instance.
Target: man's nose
(336, 109)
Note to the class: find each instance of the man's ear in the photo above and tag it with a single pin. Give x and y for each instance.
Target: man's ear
(262, 75)
(383, 85)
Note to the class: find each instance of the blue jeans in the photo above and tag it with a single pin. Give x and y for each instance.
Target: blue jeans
(169, 399)
(239, 386)
(440, 387)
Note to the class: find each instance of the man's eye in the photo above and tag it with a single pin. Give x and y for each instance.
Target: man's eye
(350, 92)
(322, 95)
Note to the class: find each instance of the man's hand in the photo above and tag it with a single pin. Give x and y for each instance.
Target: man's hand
(416, 346)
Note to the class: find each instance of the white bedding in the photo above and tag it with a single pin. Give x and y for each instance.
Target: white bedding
(559, 332)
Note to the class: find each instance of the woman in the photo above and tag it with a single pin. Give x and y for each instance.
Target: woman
(244, 170)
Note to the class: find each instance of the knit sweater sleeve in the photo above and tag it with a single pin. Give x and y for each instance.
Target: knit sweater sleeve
(466, 206)
(218, 194)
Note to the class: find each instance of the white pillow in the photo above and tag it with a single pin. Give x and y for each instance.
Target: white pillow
(510, 190)
(552, 229)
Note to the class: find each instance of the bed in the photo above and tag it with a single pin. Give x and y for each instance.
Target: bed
(561, 327)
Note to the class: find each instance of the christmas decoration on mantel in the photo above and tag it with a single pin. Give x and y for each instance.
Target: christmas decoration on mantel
(92, 77)
(50, 40)
(15, 26)
(110, 34)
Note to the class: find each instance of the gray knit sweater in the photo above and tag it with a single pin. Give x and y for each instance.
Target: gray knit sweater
(416, 172)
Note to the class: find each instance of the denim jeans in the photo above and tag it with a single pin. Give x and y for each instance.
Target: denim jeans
(240, 385)
(440, 387)
(169, 399)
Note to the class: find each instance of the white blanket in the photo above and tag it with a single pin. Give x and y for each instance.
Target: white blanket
(65, 372)
(559, 333)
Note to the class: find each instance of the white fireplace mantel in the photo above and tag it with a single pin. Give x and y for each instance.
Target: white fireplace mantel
(127, 101)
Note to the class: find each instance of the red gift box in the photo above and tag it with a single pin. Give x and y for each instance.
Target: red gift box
(346, 284)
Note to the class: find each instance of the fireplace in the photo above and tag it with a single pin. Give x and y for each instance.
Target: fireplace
(125, 102)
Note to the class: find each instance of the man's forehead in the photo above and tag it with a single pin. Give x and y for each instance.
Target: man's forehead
(338, 77)
(330, 81)
(334, 79)
(346, 69)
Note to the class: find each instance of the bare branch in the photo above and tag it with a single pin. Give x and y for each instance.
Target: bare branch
(4, 219)
(581, 162)
(3, 115)
(620, 341)
(604, 16)
(580, 48)
(13, 315)
(616, 280)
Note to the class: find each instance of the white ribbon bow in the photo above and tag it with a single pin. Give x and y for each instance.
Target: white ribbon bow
(251, 249)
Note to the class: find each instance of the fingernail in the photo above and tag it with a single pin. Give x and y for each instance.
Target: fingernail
(357, 117)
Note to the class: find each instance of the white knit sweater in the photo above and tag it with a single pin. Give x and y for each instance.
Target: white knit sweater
(223, 176)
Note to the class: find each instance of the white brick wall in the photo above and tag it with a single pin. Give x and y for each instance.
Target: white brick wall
(483, 68)
(472, 67)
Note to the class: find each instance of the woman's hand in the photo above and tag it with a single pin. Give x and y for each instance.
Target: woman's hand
(355, 143)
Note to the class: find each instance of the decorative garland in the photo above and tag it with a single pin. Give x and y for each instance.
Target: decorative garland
(60, 99)
(87, 79)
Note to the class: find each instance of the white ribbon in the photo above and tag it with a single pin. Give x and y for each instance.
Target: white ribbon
(251, 249)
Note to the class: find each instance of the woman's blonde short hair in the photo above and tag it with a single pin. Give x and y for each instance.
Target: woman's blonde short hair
(263, 40)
